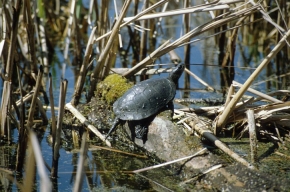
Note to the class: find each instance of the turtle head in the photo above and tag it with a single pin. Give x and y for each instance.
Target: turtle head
(176, 72)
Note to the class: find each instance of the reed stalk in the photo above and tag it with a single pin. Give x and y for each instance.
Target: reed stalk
(55, 149)
(83, 71)
(81, 164)
(105, 53)
(222, 119)
(53, 119)
(34, 98)
(5, 103)
(219, 21)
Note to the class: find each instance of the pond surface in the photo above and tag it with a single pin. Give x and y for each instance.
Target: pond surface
(204, 62)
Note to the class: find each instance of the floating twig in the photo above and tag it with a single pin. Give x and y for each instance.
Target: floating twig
(83, 120)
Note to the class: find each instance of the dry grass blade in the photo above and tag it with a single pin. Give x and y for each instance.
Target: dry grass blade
(267, 97)
(196, 31)
(204, 8)
(93, 147)
(168, 163)
(159, 3)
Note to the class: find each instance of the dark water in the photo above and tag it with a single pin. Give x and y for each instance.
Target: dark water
(203, 62)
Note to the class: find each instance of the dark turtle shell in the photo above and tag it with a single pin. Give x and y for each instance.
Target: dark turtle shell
(145, 99)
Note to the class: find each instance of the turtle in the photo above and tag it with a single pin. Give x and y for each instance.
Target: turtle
(146, 99)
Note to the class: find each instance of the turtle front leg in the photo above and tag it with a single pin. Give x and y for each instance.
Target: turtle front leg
(171, 107)
(114, 126)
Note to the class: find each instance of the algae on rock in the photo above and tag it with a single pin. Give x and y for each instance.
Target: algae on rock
(113, 87)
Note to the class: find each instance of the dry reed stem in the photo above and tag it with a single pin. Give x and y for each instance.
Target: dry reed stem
(83, 120)
(30, 34)
(252, 134)
(105, 53)
(69, 31)
(34, 98)
(80, 170)
(44, 120)
(53, 119)
(28, 180)
(144, 71)
(208, 87)
(231, 92)
(55, 149)
(5, 103)
(201, 128)
(209, 136)
(144, 35)
(221, 120)
(83, 71)
(45, 184)
(196, 31)
(148, 59)
(194, 9)
(264, 96)
(159, 3)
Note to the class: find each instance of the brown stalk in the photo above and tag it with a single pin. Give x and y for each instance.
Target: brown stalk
(34, 98)
(55, 149)
(5, 103)
(53, 120)
(83, 70)
(30, 34)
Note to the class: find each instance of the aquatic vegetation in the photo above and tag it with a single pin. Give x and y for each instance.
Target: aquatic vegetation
(113, 87)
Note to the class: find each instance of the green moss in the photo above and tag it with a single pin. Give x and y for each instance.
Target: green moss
(113, 87)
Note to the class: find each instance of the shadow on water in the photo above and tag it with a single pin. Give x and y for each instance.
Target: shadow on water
(109, 171)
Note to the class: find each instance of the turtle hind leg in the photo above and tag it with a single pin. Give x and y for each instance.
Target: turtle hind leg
(114, 126)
